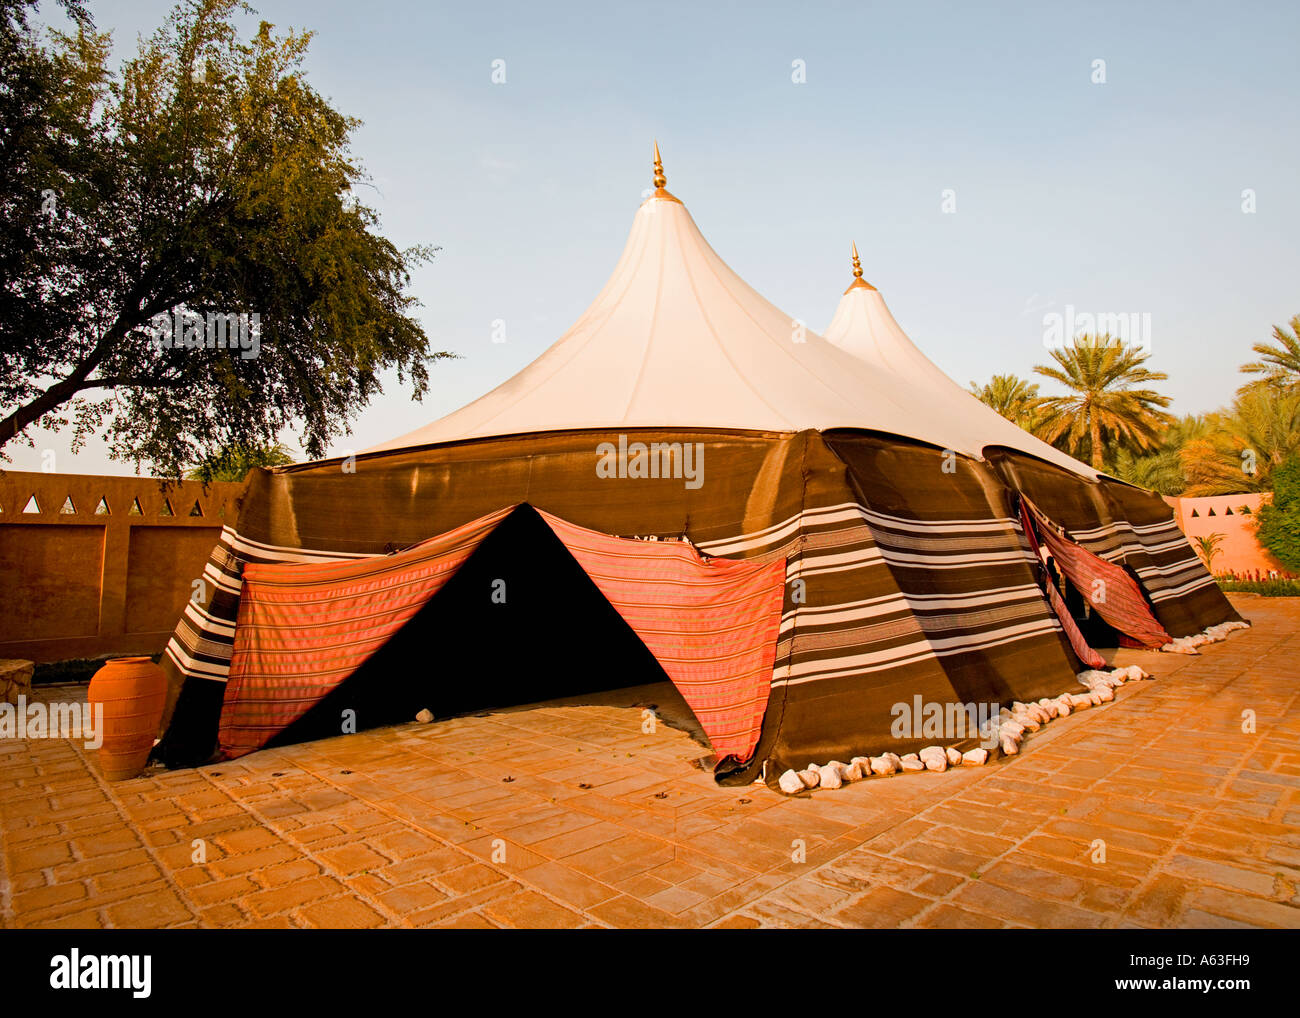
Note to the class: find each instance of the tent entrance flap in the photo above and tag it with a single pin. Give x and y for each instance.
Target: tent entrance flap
(516, 607)
(1086, 655)
(519, 622)
(1111, 591)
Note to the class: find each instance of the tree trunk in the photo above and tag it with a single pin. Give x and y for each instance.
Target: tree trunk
(64, 389)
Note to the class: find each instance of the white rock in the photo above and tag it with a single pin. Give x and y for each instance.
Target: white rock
(831, 776)
(425, 716)
(934, 758)
(790, 782)
(895, 759)
(811, 777)
(864, 762)
(853, 772)
(1104, 693)
(912, 762)
(1080, 701)
(1009, 746)
(974, 758)
(1099, 680)
(1049, 707)
(882, 765)
(1136, 672)
(954, 756)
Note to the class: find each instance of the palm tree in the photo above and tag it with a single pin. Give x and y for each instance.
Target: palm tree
(1208, 547)
(1103, 407)
(1279, 361)
(1162, 470)
(1013, 397)
(1247, 444)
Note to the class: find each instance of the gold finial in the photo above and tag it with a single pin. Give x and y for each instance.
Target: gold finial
(660, 179)
(858, 282)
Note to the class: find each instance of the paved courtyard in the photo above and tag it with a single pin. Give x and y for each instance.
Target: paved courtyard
(1155, 810)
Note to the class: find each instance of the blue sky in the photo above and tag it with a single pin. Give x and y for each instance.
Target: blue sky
(1116, 197)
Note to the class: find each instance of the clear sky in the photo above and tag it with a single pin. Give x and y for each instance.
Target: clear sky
(1117, 197)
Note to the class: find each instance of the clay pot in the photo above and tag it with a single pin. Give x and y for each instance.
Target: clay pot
(133, 691)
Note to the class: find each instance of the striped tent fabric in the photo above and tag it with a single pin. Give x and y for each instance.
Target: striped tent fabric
(935, 597)
(849, 645)
(962, 560)
(1130, 527)
(1183, 593)
(1089, 657)
(1110, 590)
(304, 628)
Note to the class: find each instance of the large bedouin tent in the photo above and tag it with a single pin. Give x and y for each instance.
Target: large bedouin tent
(799, 532)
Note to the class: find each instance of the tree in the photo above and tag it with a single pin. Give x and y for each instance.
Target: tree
(1208, 547)
(1103, 410)
(1279, 361)
(1278, 522)
(1162, 470)
(1013, 397)
(41, 144)
(207, 186)
(1246, 444)
(234, 463)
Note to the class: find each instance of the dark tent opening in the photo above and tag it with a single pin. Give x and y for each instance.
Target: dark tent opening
(519, 622)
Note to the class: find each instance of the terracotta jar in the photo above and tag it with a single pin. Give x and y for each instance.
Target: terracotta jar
(133, 691)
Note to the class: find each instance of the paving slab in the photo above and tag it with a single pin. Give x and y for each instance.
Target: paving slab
(1176, 805)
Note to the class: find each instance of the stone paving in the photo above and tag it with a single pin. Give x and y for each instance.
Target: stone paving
(568, 814)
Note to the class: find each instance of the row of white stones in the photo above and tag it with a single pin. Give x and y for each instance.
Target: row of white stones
(1213, 634)
(1013, 725)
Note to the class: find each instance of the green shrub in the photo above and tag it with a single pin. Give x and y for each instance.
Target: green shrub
(1278, 526)
(1268, 588)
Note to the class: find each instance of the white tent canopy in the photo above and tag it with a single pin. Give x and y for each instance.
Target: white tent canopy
(863, 326)
(677, 340)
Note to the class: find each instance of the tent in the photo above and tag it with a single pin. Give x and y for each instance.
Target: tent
(1112, 519)
(800, 532)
